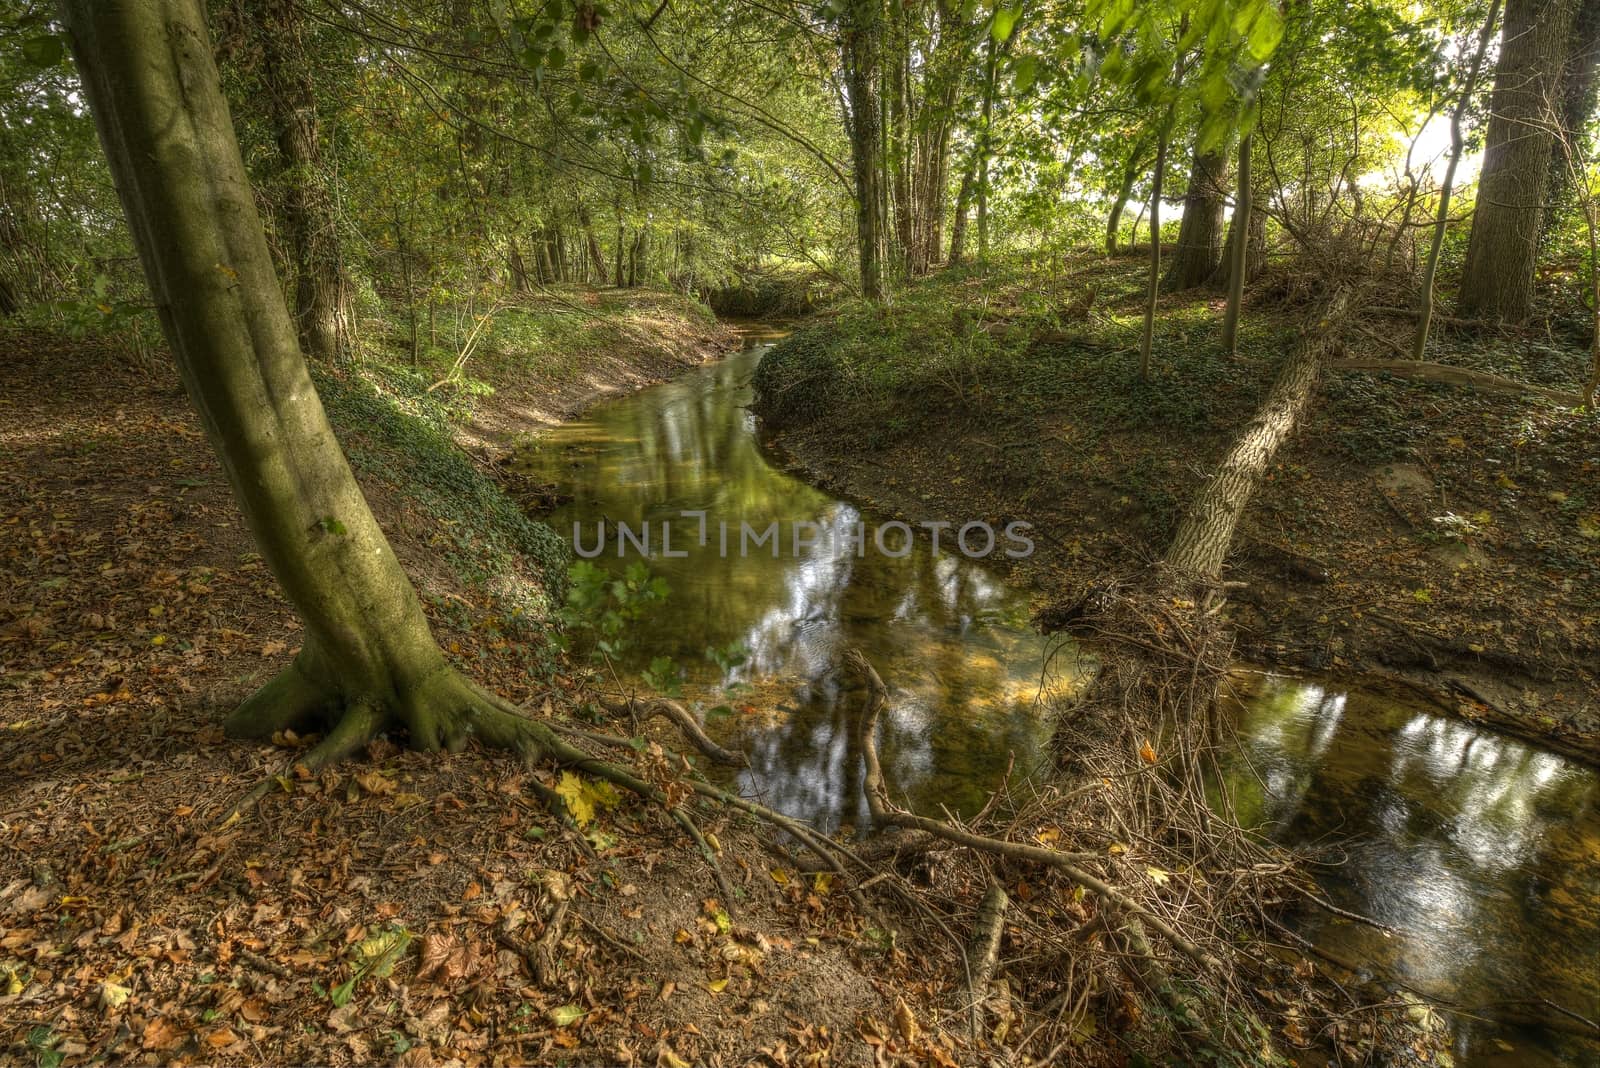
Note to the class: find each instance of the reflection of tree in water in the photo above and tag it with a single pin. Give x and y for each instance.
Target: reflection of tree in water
(1480, 849)
(930, 624)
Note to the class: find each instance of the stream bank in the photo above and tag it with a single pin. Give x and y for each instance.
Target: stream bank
(1437, 812)
(1430, 538)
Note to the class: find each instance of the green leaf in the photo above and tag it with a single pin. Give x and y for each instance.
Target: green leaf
(341, 994)
(45, 51)
(1024, 70)
(1003, 22)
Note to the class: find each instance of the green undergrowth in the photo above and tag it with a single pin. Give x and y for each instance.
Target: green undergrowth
(550, 335)
(400, 436)
(1021, 344)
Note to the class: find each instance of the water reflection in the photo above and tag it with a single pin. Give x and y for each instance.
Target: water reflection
(949, 638)
(1483, 851)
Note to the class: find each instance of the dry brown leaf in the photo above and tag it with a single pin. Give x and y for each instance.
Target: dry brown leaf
(162, 1034)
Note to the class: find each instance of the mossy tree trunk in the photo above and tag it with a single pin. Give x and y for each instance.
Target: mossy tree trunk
(368, 660)
(321, 292)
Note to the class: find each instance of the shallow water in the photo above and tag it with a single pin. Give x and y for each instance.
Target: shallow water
(1484, 851)
(951, 638)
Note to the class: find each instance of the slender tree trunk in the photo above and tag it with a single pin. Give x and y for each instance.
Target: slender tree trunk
(1200, 234)
(319, 283)
(985, 147)
(863, 27)
(1130, 174)
(1153, 293)
(958, 225)
(1497, 280)
(518, 269)
(597, 256)
(368, 659)
(1419, 344)
(1239, 261)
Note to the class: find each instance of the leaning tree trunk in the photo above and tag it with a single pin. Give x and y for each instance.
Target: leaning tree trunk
(1200, 234)
(321, 294)
(1119, 203)
(1497, 280)
(1200, 545)
(368, 660)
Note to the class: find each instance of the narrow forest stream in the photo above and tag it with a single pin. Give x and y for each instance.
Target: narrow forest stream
(1482, 853)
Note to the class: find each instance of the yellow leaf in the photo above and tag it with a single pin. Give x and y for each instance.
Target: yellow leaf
(112, 995)
(576, 798)
(717, 986)
(1147, 752)
(1159, 876)
(1049, 836)
(566, 1015)
(822, 881)
(780, 876)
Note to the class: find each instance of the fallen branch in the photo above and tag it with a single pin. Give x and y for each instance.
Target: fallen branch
(1456, 376)
(984, 952)
(884, 813)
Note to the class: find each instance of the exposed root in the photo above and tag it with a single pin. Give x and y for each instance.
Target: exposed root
(682, 719)
(288, 702)
(1065, 863)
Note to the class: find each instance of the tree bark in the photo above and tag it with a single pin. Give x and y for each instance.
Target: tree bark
(1203, 536)
(1580, 85)
(368, 660)
(1239, 259)
(1200, 234)
(1497, 280)
(321, 295)
(860, 47)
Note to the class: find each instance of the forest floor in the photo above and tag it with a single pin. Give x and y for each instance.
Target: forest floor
(401, 909)
(1412, 533)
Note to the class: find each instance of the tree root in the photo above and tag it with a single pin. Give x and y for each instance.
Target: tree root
(1458, 376)
(682, 719)
(288, 702)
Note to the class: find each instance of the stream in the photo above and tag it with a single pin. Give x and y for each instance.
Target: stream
(1482, 852)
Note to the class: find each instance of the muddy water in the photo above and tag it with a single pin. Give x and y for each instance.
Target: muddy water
(1484, 854)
